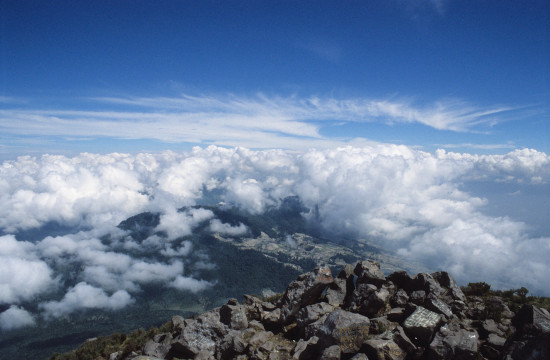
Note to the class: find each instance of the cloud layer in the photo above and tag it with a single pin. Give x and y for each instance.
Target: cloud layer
(406, 200)
(256, 121)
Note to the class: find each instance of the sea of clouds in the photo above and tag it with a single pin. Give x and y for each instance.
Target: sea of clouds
(409, 201)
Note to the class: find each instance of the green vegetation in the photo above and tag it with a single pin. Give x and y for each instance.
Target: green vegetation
(101, 347)
(514, 298)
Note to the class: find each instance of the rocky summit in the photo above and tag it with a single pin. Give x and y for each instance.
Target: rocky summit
(358, 314)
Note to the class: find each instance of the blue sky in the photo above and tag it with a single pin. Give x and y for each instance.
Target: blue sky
(467, 76)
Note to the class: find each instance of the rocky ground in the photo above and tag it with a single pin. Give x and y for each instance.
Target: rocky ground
(357, 314)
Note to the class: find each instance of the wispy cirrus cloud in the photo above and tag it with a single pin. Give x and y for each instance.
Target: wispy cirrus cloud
(258, 121)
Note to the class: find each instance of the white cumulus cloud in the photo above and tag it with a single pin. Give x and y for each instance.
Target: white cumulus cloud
(85, 296)
(16, 317)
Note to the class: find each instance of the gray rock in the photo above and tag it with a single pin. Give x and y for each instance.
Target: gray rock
(306, 349)
(206, 333)
(359, 356)
(426, 282)
(397, 314)
(346, 272)
(452, 342)
(402, 280)
(418, 297)
(259, 338)
(331, 353)
(446, 281)
(271, 319)
(488, 327)
(312, 313)
(234, 315)
(276, 348)
(529, 348)
(379, 325)
(399, 299)
(304, 291)
(343, 328)
(159, 346)
(383, 350)
(204, 355)
(375, 303)
(336, 292)
(436, 305)
(402, 340)
(496, 341)
(359, 296)
(532, 319)
(368, 272)
(421, 325)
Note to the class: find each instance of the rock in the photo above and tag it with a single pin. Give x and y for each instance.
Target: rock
(204, 355)
(331, 353)
(383, 350)
(375, 303)
(402, 280)
(418, 297)
(255, 325)
(402, 340)
(336, 292)
(142, 357)
(497, 342)
(343, 328)
(259, 338)
(271, 319)
(488, 327)
(368, 272)
(497, 306)
(489, 352)
(304, 291)
(445, 280)
(312, 313)
(234, 315)
(306, 349)
(276, 348)
(359, 295)
(452, 342)
(159, 346)
(206, 333)
(436, 305)
(529, 348)
(426, 282)
(421, 325)
(359, 356)
(531, 319)
(397, 314)
(400, 298)
(379, 325)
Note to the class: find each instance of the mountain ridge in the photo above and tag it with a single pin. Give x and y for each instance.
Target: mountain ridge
(358, 314)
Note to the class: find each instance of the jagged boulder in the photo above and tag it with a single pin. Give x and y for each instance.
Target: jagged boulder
(343, 328)
(234, 315)
(306, 349)
(158, 346)
(206, 333)
(368, 272)
(446, 281)
(454, 342)
(382, 349)
(304, 291)
(532, 319)
(421, 325)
